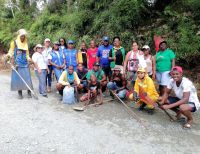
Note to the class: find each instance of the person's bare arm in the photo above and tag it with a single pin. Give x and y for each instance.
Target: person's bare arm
(165, 96)
(173, 62)
(153, 67)
(53, 64)
(103, 78)
(125, 63)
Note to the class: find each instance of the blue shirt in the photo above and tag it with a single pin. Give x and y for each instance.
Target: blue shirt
(103, 53)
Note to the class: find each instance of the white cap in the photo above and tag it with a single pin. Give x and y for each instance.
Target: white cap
(145, 47)
(47, 40)
(38, 46)
(22, 32)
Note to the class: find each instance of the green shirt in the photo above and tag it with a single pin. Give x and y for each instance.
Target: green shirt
(99, 74)
(164, 60)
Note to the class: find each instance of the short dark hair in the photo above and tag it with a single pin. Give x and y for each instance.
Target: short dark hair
(162, 43)
(116, 37)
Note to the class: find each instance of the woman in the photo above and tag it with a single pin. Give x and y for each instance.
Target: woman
(83, 55)
(19, 53)
(185, 100)
(134, 60)
(63, 45)
(165, 60)
(117, 54)
(57, 60)
(40, 67)
(91, 54)
(149, 61)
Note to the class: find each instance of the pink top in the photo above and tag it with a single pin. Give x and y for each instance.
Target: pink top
(91, 54)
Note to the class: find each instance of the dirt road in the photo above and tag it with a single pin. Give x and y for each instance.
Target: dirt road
(49, 127)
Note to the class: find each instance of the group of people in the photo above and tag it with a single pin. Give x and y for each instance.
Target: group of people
(107, 67)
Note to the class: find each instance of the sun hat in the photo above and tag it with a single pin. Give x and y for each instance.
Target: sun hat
(37, 46)
(141, 70)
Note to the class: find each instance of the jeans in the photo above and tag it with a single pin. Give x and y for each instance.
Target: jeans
(84, 84)
(57, 73)
(42, 81)
(49, 76)
(113, 86)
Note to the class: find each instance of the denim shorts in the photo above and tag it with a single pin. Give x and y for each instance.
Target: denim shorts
(175, 99)
(163, 78)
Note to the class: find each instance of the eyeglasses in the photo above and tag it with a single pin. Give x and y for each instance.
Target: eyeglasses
(61, 40)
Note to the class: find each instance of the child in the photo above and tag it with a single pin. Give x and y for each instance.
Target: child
(40, 67)
(145, 91)
(94, 89)
(185, 100)
(91, 54)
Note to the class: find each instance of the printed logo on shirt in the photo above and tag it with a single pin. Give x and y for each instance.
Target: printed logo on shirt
(105, 53)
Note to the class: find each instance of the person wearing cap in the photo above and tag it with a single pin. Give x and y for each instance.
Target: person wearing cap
(91, 54)
(19, 55)
(144, 93)
(57, 60)
(134, 60)
(149, 61)
(71, 55)
(185, 100)
(40, 67)
(82, 54)
(100, 75)
(165, 60)
(117, 54)
(103, 56)
(46, 50)
(117, 83)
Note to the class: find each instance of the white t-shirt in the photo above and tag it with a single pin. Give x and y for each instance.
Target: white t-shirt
(39, 59)
(185, 86)
(46, 53)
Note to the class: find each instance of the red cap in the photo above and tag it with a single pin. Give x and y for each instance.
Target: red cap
(177, 68)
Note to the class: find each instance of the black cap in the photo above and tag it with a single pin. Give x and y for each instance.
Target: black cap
(96, 64)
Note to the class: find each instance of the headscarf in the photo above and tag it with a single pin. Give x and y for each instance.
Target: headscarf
(22, 45)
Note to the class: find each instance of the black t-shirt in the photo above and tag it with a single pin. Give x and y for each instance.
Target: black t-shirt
(82, 74)
(118, 83)
(84, 56)
(118, 55)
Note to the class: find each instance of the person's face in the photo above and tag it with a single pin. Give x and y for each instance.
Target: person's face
(39, 50)
(163, 46)
(135, 46)
(92, 44)
(177, 76)
(62, 42)
(70, 46)
(70, 70)
(80, 67)
(96, 68)
(116, 72)
(117, 42)
(83, 46)
(140, 75)
(93, 79)
(105, 43)
(22, 38)
(47, 44)
(146, 51)
(56, 47)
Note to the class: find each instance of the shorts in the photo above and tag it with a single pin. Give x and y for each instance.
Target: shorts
(107, 70)
(163, 78)
(175, 99)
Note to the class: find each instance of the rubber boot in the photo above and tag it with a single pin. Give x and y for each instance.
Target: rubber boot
(29, 94)
(20, 94)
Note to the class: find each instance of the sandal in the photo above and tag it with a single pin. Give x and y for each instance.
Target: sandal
(187, 125)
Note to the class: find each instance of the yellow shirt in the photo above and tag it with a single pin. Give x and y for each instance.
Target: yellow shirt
(63, 79)
(148, 86)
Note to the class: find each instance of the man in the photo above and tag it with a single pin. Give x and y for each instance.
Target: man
(82, 72)
(103, 55)
(45, 53)
(100, 75)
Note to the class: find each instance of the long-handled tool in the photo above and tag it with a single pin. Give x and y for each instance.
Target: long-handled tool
(171, 118)
(130, 111)
(34, 94)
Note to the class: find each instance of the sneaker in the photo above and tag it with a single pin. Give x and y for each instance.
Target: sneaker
(45, 95)
(29, 94)
(20, 95)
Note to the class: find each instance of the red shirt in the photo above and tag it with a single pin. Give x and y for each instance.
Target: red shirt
(91, 54)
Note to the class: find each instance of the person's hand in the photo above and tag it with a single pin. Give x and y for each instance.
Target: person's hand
(58, 67)
(6, 58)
(62, 66)
(114, 59)
(154, 76)
(39, 71)
(48, 71)
(165, 107)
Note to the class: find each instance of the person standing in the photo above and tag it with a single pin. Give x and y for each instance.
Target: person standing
(103, 56)
(91, 54)
(71, 55)
(19, 54)
(134, 60)
(165, 60)
(150, 61)
(47, 49)
(40, 67)
(63, 45)
(57, 60)
(83, 55)
(117, 54)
